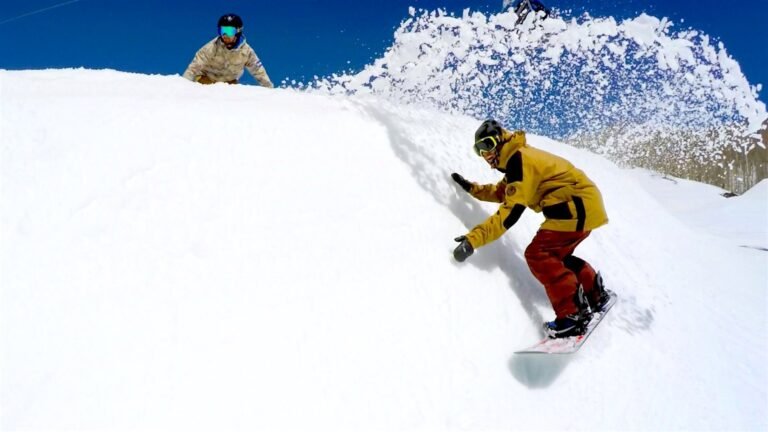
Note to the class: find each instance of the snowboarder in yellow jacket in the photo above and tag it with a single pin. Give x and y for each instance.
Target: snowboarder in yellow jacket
(572, 207)
(223, 58)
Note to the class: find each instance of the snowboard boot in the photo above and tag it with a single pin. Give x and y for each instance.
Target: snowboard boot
(570, 325)
(599, 295)
(574, 324)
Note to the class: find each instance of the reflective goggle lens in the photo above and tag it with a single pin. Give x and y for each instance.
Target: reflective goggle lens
(227, 31)
(485, 145)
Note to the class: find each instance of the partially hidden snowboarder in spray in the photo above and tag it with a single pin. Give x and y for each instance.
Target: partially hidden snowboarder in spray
(572, 207)
(523, 7)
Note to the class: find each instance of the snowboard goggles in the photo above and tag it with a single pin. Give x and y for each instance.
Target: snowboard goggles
(227, 31)
(485, 145)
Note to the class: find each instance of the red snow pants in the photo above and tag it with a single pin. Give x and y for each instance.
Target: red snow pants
(550, 258)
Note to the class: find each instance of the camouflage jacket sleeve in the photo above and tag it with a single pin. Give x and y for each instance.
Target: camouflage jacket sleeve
(195, 69)
(256, 68)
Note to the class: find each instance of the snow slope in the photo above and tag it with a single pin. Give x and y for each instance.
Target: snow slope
(184, 257)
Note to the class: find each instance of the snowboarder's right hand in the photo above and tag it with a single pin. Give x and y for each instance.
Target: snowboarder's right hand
(463, 250)
(464, 183)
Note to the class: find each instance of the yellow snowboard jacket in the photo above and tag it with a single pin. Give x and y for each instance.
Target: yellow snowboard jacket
(543, 182)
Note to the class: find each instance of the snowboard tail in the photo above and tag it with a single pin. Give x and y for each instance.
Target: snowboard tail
(570, 345)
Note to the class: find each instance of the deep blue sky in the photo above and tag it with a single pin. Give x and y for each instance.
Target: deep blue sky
(299, 39)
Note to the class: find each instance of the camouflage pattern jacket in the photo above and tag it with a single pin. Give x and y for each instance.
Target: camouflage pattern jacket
(220, 64)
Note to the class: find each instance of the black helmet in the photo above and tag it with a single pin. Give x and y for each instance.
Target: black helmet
(488, 128)
(231, 20)
(488, 140)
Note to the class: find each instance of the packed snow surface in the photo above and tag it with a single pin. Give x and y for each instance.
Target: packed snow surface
(185, 257)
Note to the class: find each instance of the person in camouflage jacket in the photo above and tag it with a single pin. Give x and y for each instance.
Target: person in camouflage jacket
(224, 58)
(572, 207)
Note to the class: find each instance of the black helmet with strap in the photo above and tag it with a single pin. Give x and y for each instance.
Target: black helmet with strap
(488, 141)
(226, 25)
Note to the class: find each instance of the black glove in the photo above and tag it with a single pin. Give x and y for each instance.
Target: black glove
(463, 250)
(464, 183)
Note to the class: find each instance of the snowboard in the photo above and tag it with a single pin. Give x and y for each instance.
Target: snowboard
(571, 344)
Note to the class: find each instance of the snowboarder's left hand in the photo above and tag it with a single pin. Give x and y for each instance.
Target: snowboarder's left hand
(463, 250)
(464, 183)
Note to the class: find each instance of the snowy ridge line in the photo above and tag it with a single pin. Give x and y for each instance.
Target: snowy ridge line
(561, 78)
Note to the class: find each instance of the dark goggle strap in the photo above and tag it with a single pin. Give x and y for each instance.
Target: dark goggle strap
(484, 145)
